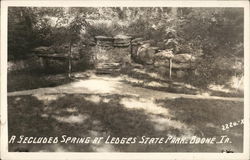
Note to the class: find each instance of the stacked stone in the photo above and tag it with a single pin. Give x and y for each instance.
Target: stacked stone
(104, 41)
(160, 59)
(137, 41)
(180, 61)
(111, 53)
(122, 41)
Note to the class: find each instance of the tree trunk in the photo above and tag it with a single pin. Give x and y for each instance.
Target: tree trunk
(170, 68)
(69, 61)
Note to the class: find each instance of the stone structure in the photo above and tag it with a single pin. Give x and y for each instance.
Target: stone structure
(165, 60)
(110, 53)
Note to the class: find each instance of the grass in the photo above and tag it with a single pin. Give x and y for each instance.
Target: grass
(118, 115)
(36, 76)
(145, 77)
(91, 115)
(32, 79)
(174, 85)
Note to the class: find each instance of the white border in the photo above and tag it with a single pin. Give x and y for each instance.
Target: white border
(125, 3)
(107, 3)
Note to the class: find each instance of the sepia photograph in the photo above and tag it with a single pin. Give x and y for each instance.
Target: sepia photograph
(125, 79)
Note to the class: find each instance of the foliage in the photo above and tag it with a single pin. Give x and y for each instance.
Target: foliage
(212, 29)
(218, 33)
(211, 32)
(19, 35)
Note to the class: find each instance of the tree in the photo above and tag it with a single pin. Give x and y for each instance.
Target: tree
(218, 34)
(20, 23)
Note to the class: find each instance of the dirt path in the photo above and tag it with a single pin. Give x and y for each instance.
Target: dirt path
(102, 106)
(104, 84)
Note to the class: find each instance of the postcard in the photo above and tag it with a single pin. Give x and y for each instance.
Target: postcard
(125, 79)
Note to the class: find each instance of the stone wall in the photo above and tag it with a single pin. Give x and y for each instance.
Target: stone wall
(112, 49)
(123, 49)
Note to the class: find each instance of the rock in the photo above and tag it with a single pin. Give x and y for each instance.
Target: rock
(103, 38)
(151, 50)
(162, 70)
(147, 42)
(171, 44)
(145, 54)
(146, 45)
(161, 63)
(135, 44)
(104, 41)
(175, 65)
(136, 65)
(183, 58)
(121, 44)
(164, 54)
(122, 41)
(181, 65)
(180, 74)
(107, 68)
(136, 40)
(155, 48)
(123, 37)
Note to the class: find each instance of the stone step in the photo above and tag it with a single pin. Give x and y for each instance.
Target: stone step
(107, 68)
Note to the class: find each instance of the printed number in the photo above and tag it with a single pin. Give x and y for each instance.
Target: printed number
(242, 121)
(230, 124)
(223, 128)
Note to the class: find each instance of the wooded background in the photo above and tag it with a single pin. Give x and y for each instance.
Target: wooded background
(215, 34)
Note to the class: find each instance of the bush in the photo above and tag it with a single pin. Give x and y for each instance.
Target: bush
(207, 72)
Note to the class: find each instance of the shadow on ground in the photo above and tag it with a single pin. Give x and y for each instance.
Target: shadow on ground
(136, 77)
(24, 81)
(152, 80)
(82, 115)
